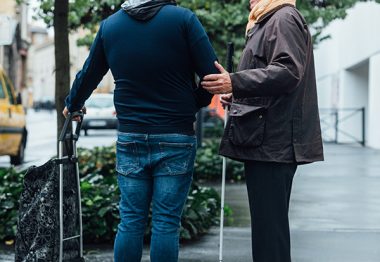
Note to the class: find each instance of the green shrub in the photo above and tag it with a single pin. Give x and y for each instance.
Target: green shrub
(213, 126)
(99, 160)
(100, 192)
(200, 213)
(10, 190)
(100, 200)
(208, 164)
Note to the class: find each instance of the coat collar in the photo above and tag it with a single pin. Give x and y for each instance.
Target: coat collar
(270, 13)
(263, 18)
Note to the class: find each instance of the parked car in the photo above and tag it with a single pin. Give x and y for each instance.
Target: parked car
(101, 113)
(13, 132)
(45, 103)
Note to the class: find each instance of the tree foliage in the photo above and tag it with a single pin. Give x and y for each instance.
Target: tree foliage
(224, 20)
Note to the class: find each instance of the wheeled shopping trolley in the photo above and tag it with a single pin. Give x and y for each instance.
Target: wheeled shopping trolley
(50, 214)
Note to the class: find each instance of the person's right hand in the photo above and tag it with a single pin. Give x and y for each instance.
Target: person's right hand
(226, 100)
(76, 119)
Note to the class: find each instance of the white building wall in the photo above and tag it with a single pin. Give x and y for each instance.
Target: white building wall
(41, 70)
(354, 39)
(346, 66)
(1, 55)
(78, 56)
(42, 64)
(353, 94)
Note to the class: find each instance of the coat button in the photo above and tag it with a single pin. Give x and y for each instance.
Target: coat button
(260, 116)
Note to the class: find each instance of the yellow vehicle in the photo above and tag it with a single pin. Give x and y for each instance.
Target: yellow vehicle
(13, 132)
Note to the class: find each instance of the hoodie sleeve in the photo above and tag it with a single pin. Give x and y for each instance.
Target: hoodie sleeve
(89, 77)
(203, 57)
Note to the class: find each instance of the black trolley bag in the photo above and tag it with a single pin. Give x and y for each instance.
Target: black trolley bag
(50, 216)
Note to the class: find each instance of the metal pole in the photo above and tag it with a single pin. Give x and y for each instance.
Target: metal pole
(75, 154)
(60, 155)
(336, 126)
(363, 126)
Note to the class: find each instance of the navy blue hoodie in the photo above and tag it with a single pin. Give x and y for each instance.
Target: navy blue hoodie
(154, 62)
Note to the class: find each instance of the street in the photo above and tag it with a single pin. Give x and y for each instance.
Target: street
(41, 145)
(334, 214)
(294, 74)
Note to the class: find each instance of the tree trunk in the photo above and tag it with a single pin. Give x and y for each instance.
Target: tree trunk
(62, 58)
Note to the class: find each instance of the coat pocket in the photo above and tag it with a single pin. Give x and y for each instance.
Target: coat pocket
(247, 125)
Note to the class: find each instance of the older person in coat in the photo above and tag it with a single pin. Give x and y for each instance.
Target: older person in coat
(273, 123)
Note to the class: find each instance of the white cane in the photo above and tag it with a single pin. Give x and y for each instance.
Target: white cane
(230, 53)
(223, 196)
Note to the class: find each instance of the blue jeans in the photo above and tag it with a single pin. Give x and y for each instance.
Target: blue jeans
(152, 170)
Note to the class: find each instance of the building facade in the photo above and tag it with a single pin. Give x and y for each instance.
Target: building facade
(348, 66)
(13, 56)
(41, 73)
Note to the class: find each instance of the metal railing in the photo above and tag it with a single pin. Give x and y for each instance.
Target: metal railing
(343, 125)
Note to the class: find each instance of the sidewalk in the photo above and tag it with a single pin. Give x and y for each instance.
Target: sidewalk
(335, 214)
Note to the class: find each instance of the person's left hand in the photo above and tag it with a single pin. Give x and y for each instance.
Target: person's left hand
(218, 83)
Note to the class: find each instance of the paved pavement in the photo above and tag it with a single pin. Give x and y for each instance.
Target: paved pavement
(335, 214)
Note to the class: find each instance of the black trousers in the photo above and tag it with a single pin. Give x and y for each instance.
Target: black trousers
(269, 186)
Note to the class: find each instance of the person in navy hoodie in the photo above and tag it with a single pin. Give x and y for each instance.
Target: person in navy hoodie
(153, 48)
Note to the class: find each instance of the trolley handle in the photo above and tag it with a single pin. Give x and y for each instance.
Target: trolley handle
(64, 136)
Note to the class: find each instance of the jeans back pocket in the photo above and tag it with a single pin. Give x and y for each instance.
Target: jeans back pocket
(247, 125)
(127, 159)
(177, 158)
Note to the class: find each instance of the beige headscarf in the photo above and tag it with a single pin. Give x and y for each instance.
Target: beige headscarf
(262, 8)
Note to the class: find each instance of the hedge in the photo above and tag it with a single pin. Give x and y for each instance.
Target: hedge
(100, 197)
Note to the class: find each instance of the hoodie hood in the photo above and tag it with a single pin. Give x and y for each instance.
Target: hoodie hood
(144, 10)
